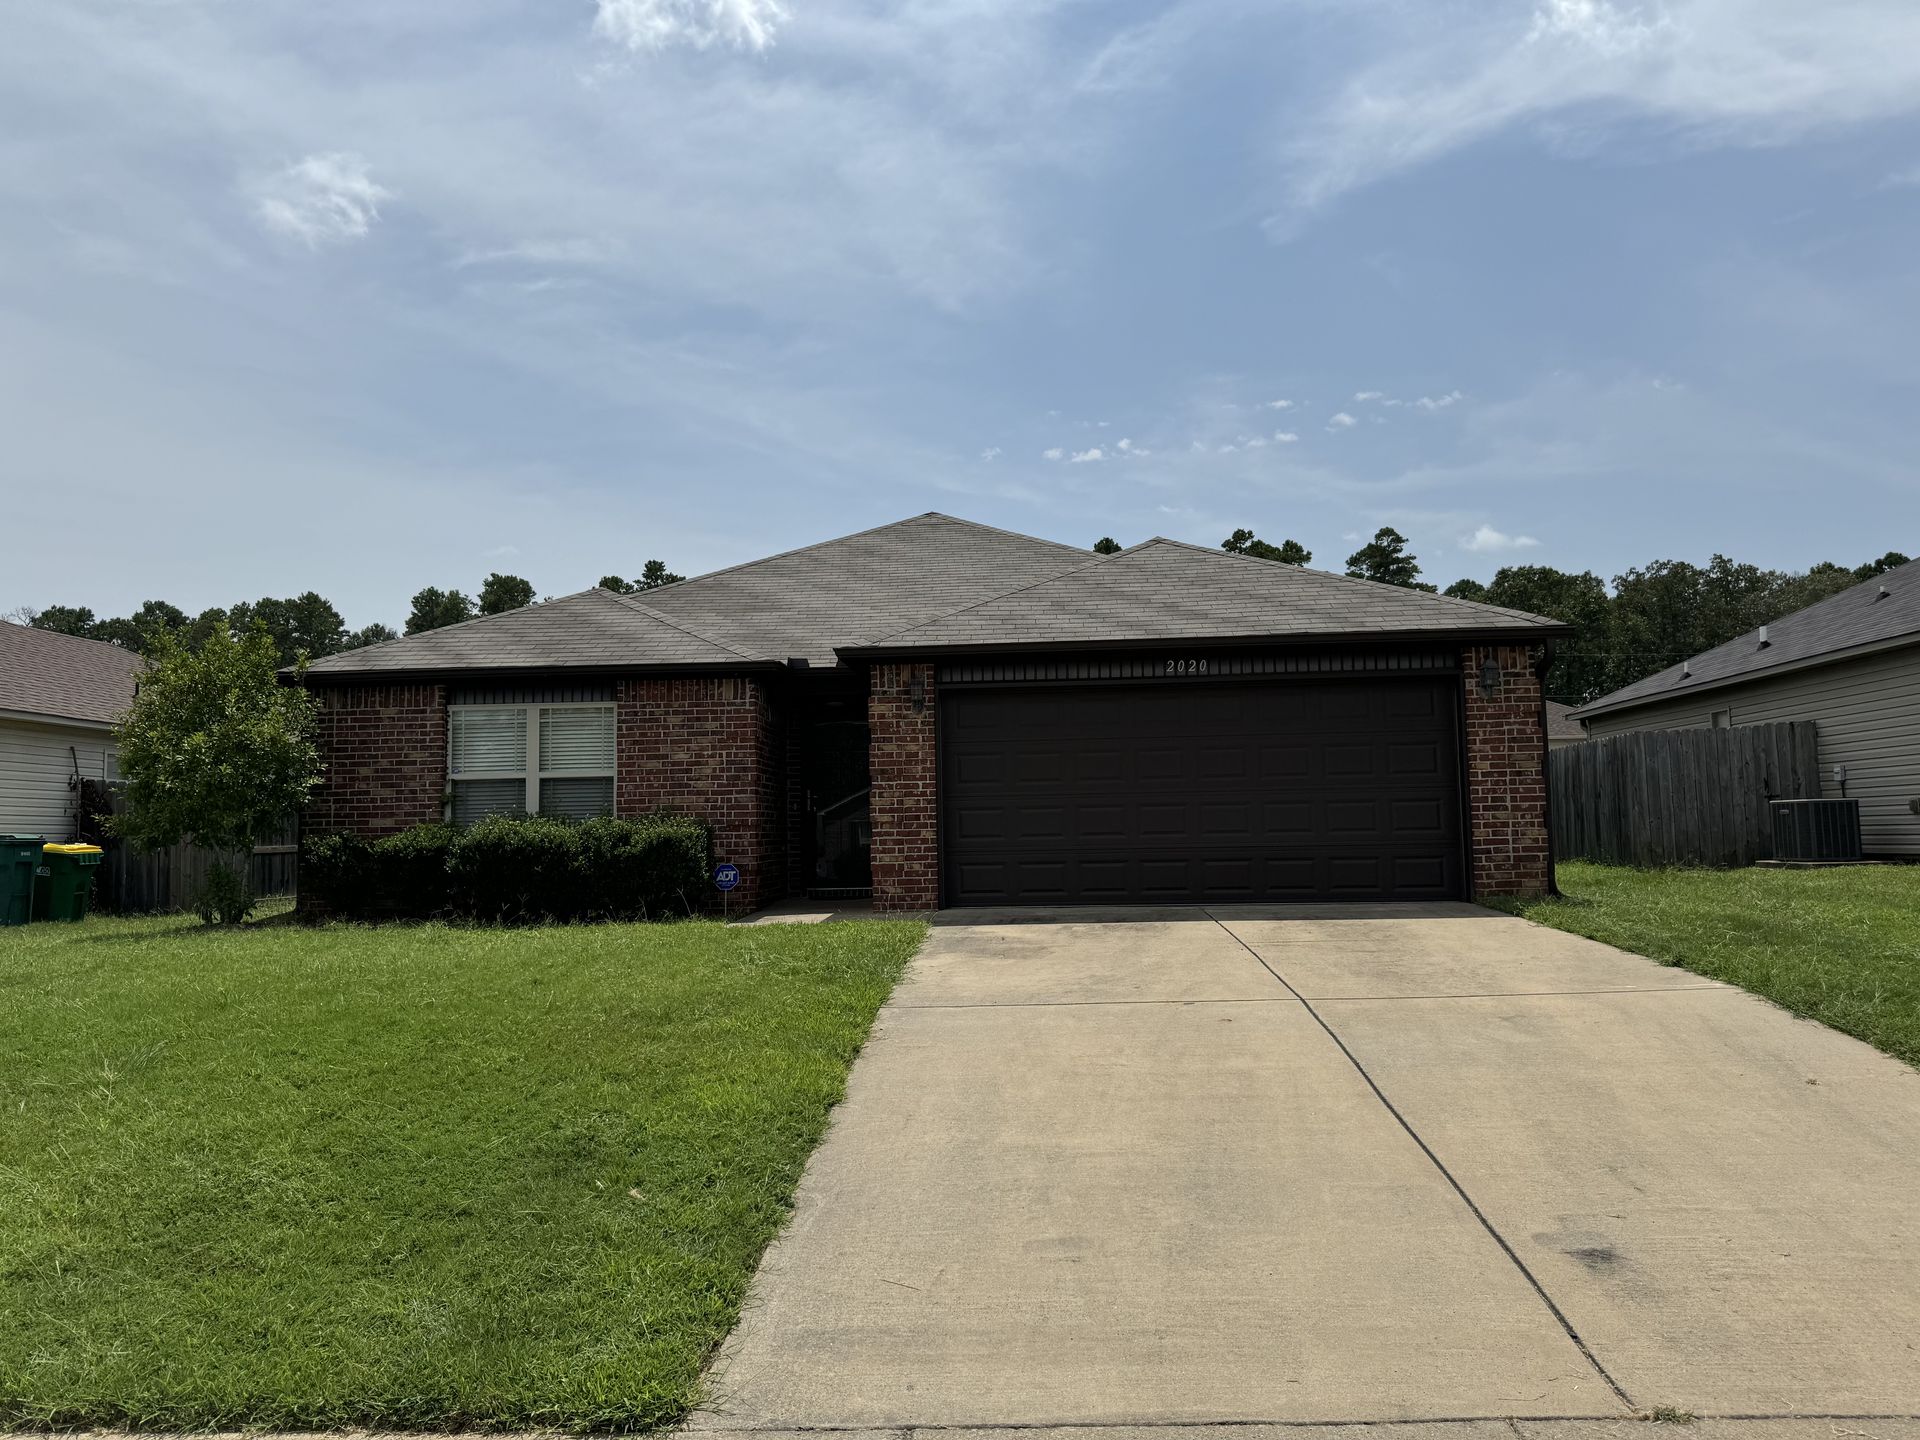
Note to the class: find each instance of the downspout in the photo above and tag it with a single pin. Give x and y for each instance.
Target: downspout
(1540, 668)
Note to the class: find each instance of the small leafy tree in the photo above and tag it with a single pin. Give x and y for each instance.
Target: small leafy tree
(64, 620)
(655, 574)
(373, 634)
(616, 585)
(501, 593)
(1106, 545)
(215, 751)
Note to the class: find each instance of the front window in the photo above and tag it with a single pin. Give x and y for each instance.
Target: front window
(531, 760)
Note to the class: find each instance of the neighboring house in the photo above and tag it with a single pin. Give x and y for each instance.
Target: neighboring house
(1562, 729)
(1851, 664)
(59, 697)
(1031, 723)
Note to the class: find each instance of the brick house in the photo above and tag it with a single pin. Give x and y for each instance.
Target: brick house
(942, 713)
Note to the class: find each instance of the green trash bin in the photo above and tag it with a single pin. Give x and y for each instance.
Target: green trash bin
(66, 882)
(19, 858)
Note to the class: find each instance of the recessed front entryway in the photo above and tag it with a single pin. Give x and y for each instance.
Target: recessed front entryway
(1356, 1163)
(1202, 791)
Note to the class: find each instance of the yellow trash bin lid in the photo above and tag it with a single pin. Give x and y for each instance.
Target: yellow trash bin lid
(72, 849)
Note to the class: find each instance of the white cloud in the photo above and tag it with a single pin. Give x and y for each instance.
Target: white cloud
(1056, 453)
(1254, 442)
(1342, 421)
(1488, 541)
(657, 24)
(1901, 179)
(1699, 72)
(1279, 404)
(321, 200)
(1086, 457)
(1438, 402)
(1361, 397)
(1132, 451)
(1285, 437)
(499, 552)
(990, 454)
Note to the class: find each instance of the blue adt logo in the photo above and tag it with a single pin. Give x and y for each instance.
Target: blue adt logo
(725, 877)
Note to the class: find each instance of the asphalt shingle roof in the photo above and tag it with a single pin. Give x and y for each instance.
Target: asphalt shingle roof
(1560, 723)
(843, 592)
(594, 630)
(928, 582)
(1878, 611)
(44, 673)
(1169, 590)
(799, 604)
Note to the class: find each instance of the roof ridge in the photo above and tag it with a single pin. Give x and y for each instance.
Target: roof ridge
(1004, 594)
(855, 535)
(680, 625)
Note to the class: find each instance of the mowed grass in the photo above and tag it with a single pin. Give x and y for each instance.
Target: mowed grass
(1841, 946)
(414, 1177)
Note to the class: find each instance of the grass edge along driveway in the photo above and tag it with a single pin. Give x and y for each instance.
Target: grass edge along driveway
(409, 1177)
(1841, 946)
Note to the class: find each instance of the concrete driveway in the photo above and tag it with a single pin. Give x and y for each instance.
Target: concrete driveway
(1322, 1165)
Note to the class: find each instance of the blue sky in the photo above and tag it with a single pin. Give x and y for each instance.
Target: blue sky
(364, 297)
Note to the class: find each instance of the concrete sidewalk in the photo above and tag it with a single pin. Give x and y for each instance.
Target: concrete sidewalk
(1339, 1165)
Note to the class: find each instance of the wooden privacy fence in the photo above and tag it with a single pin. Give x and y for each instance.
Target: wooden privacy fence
(133, 882)
(1679, 797)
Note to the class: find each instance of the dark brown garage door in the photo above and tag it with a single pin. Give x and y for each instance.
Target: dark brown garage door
(1221, 792)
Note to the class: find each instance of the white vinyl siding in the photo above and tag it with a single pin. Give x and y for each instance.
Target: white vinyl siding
(531, 759)
(36, 767)
(1868, 714)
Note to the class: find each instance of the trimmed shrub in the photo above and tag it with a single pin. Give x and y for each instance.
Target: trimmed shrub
(507, 870)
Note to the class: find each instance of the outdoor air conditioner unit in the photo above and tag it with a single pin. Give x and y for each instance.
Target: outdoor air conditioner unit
(1816, 829)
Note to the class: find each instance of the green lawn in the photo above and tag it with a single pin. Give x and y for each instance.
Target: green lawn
(403, 1177)
(1841, 946)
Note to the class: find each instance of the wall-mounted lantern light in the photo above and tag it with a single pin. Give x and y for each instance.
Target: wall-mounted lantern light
(1490, 677)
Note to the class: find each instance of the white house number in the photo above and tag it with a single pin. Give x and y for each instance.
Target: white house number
(1186, 667)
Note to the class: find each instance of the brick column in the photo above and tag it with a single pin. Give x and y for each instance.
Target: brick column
(384, 749)
(1506, 776)
(906, 822)
(706, 747)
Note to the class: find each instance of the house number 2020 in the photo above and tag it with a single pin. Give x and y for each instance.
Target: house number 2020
(1186, 667)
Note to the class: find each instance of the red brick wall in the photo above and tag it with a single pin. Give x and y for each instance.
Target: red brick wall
(906, 822)
(1506, 776)
(385, 752)
(710, 748)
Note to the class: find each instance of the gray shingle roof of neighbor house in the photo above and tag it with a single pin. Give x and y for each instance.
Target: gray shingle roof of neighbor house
(1882, 611)
(799, 604)
(1166, 590)
(1560, 723)
(63, 676)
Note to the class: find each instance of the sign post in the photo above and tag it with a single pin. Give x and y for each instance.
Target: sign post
(725, 877)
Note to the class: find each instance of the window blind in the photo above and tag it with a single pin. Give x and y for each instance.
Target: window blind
(488, 741)
(576, 739)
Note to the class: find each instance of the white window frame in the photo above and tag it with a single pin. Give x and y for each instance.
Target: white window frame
(532, 773)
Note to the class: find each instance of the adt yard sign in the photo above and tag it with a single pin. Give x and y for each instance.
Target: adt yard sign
(725, 877)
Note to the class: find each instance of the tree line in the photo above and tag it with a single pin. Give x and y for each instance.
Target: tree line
(308, 624)
(1645, 620)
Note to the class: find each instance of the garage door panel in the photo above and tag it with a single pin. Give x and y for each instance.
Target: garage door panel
(1293, 790)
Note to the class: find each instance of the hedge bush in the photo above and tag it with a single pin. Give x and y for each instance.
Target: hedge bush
(506, 870)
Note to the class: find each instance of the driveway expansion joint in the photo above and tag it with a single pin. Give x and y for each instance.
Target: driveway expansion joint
(1526, 1272)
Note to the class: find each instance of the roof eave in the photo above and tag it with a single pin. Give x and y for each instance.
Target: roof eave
(1528, 634)
(49, 718)
(471, 673)
(1680, 691)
